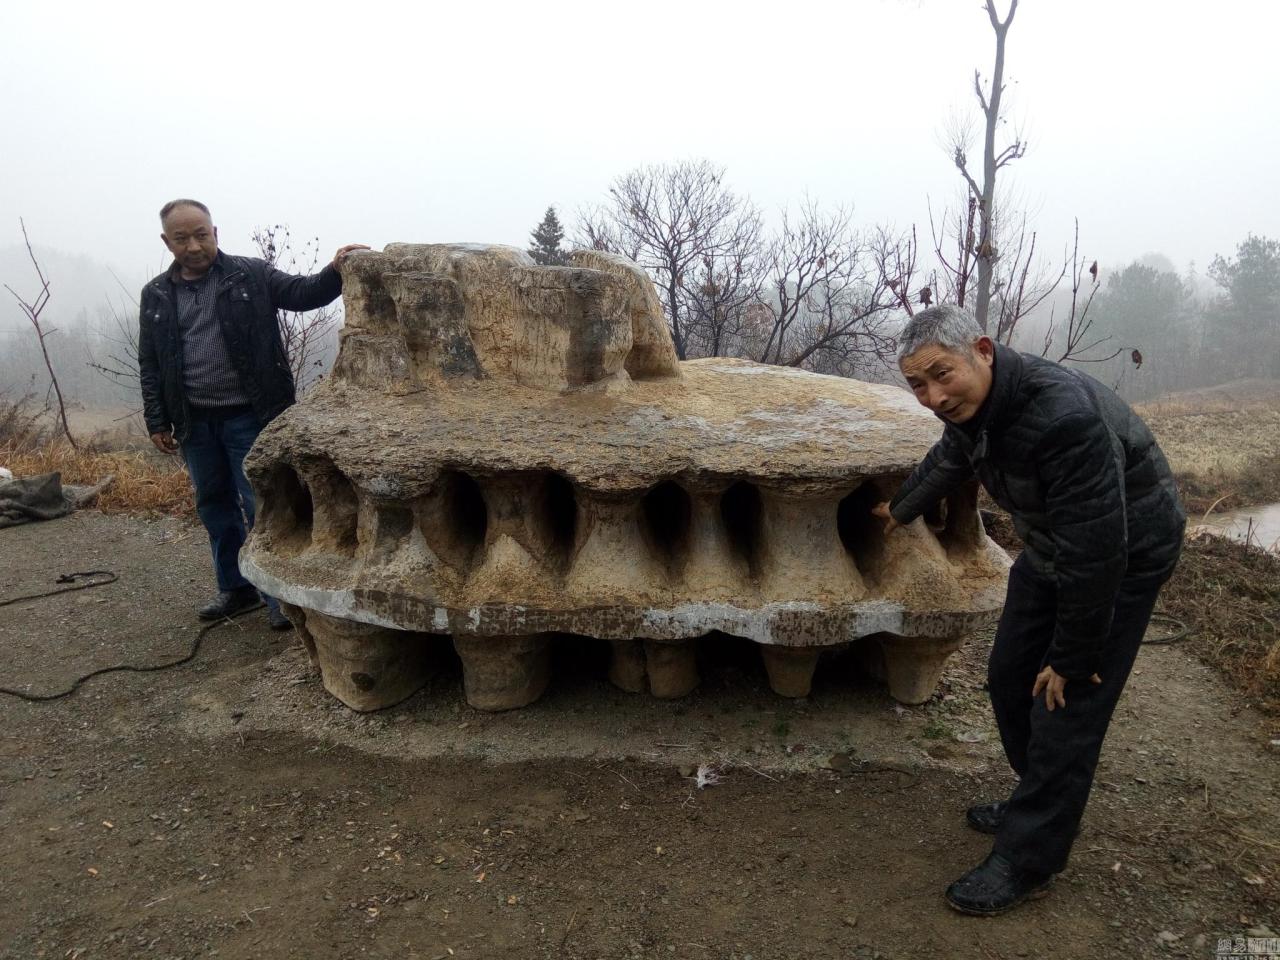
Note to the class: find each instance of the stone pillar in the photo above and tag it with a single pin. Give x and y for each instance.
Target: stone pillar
(672, 668)
(502, 673)
(913, 665)
(512, 553)
(334, 507)
(627, 667)
(614, 562)
(714, 568)
(803, 555)
(364, 666)
(790, 669)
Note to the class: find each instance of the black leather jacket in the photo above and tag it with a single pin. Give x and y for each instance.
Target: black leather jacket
(1089, 490)
(250, 292)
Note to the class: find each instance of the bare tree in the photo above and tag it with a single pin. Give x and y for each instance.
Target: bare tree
(954, 246)
(832, 292)
(720, 290)
(1079, 337)
(986, 251)
(810, 254)
(895, 259)
(670, 219)
(119, 363)
(308, 337)
(33, 309)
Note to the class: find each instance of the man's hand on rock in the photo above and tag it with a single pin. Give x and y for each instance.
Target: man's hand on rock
(881, 510)
(164, 442)
(343, 251)
(1053, 684)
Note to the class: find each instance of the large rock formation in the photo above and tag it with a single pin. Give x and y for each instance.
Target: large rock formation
(505, 452)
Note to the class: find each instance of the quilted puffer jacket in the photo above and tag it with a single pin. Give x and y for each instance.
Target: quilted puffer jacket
(1087, 486)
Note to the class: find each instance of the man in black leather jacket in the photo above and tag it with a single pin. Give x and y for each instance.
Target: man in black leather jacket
(214, 372)
(1093, 499)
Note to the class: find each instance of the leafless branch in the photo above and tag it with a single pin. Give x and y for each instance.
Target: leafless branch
(307, 336)
(33, 309)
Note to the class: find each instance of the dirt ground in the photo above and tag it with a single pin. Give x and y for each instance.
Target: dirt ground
(232, 808)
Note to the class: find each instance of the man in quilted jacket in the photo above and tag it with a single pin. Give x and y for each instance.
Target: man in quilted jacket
(1094, 502)
(214, 372)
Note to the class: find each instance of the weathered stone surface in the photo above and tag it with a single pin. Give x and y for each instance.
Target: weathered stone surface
(507, 451)
(364, 666)
(790, 669)
(502, 673)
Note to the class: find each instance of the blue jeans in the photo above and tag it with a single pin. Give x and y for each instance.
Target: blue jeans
(215, 451)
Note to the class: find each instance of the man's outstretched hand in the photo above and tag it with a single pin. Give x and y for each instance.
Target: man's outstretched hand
(343, 251)
(1053, 684)
(881, 510)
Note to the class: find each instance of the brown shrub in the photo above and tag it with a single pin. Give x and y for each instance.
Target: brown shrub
(1228, 594)
(20, 423)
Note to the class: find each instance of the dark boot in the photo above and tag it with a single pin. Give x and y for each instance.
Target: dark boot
(994, 886)
(230, 602)
(276, 618)
(986, 817)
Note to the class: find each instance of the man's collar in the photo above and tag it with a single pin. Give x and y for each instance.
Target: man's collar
(1005, 370)
(175, 271)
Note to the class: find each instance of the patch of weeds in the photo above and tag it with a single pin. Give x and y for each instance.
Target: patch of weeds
(781, 728)
(937, 729)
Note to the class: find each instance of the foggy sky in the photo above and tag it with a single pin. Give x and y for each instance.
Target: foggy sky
(1154, 123)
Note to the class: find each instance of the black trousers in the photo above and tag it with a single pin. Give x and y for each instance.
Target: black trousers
(1054, 752)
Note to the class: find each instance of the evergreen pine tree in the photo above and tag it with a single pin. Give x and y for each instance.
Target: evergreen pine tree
(546, 241)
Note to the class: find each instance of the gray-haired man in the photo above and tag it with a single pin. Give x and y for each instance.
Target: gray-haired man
(1094, 502)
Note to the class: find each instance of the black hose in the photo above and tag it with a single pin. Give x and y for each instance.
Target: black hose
(120, 668)
(1180, 630)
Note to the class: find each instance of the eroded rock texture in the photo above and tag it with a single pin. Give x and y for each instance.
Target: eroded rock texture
(507, 452)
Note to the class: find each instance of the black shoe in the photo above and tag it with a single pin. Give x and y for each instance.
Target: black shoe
(276, 619)
(230, 602)
(987, 817)
(994, 886)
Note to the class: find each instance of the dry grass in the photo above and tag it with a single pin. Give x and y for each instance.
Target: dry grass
(1255, 394)
(1229, 595)
(145, 482)
(1223, 443)
(1249, 484)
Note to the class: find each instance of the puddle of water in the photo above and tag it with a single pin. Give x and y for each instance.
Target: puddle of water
(1258, 525)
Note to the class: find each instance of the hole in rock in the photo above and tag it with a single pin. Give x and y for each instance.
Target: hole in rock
(579, 663)
(740, 512)
(861, 532)
(394, 523)
(558, 518)
(287, 509)
(962, 528)
(455, 519)
(730, 664)
(667, 512)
